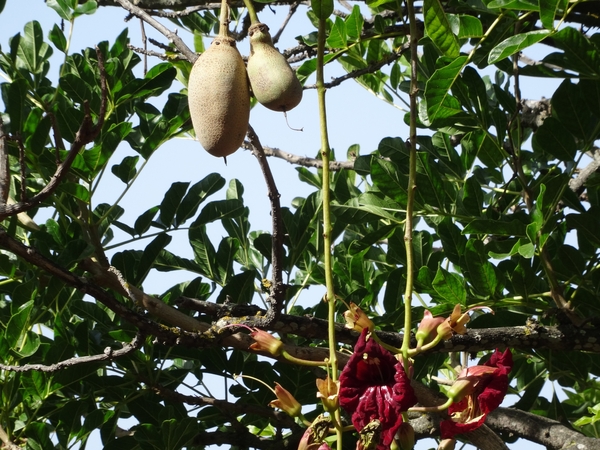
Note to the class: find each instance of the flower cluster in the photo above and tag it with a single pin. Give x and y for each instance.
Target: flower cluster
(375, 387)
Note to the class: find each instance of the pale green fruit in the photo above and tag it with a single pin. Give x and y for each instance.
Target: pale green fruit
(273, 81)
(219, 98)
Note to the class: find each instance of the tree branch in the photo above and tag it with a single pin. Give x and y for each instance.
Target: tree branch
(108, 355)
(301, 160)
(86, 133)
(395, 55)
(277, 290)
(232, 408)
(564, 337)
(541, 430)
(170, 35)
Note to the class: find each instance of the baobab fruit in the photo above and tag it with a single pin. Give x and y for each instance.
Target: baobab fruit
(273, 82)
(219, 98)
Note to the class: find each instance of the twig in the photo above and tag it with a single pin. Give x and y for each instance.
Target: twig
(222, 405)
(302, 160)
(145, 41)
(4, 167)
(170, 35)
(108, 355)
(185, 12)
(291, 12)
(369, 69)
(156, 54)
(277, 291)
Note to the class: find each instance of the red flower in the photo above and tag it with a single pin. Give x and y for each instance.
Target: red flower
(478, 391)
(374, 386)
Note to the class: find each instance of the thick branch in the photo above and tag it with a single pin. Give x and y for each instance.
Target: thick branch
(108, 355)
(541, 430)
(564, 337)
(171, 36)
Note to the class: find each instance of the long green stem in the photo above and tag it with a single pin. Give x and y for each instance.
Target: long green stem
(412, 182)
(251, 12)
(325, 155)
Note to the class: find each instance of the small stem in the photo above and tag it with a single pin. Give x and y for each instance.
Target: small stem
(251, 12)
(303, 362)
(327, 243)
(224, 19)
(412, 182)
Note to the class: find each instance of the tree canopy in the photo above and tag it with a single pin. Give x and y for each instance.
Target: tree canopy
(459, 261)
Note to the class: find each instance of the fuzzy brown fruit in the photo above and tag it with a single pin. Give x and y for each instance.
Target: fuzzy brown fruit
(219, 98)
(273, 81)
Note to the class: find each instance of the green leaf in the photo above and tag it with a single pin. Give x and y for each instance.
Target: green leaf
(33, 52)
(143, 222)
(548, 10)
(156, 81)
(196, 195)
(439, 30)
(61, 7)
(496, 228)
(569, 107)
(219, 210)
(337, 35)
(322, 8)
(57, 37)
(587, 226)
(18, 325)
(470, 27)
(472, 198)
(354, 24)
(453, 241)
(554, 138)
(240, 288)
(225, 258)
(515, 44)
(450, 287)
(481, 273)
(89, 7)
(149, 256)
(204, 252)
(440, 104)
(171, 202)
(581, 54)
(527, 5)
(126, 170)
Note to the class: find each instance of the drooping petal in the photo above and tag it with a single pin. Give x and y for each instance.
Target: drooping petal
(374, 386)
(488, 390)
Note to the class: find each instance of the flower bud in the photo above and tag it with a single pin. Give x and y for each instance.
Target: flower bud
(427, 330)
(265, 342)
(286, 402)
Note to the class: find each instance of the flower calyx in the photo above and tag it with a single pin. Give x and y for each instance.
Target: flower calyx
(286, 402)
(328, 393)
(266, 343)
(357, 320)
(313, 437)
